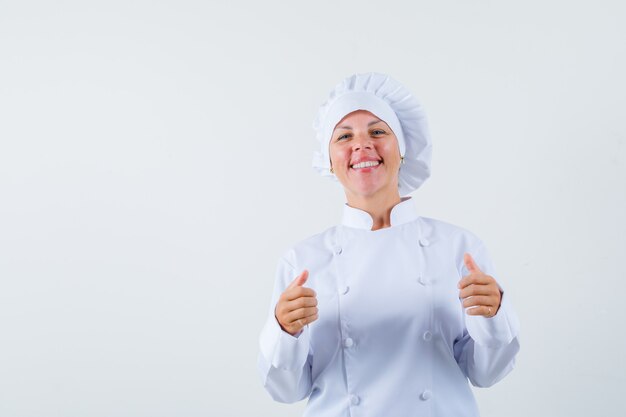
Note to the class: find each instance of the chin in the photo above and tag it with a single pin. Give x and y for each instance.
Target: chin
(369, 189)
(365, 191)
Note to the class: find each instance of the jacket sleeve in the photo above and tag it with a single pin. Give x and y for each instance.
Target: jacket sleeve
(284, 362)
(486, 352)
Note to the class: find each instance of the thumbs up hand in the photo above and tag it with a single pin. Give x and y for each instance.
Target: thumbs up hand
(480, 292)
(297, 305)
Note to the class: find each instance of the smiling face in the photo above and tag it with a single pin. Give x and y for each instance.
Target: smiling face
(364, 155)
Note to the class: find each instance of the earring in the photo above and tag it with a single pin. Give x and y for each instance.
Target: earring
(402, 160)
(331, 170)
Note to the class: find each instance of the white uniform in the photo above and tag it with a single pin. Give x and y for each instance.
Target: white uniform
(392, 338)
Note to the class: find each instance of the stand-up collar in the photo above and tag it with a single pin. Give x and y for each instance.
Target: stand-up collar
(401, 213)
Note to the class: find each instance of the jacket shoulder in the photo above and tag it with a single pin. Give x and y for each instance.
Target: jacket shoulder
(441, 230)
(318, 246)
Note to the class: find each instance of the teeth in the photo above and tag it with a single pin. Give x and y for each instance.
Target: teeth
(366, 164)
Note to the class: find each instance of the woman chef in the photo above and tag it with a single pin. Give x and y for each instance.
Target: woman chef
(388, 313)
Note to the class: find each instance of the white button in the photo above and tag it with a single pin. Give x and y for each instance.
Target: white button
(423, 280)
(427, 335)
(337, 250)
(345, 290)
(426, 395)
(424, 241)
(354, 399)
(348, 342)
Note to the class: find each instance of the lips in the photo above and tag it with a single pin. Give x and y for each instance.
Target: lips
(366, 163)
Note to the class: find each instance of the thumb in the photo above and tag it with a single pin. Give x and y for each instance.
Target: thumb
(470, 264)
(300, 279)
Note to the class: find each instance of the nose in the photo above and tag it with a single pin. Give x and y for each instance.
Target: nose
(362, 141)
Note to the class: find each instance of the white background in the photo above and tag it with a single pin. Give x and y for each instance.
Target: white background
(155, 162)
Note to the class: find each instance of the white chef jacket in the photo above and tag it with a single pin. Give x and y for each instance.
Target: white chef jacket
(392, 338)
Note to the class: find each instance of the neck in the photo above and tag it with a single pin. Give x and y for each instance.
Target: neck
(378, 206)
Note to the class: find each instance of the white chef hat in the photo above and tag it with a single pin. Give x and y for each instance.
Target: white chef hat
(390, 101)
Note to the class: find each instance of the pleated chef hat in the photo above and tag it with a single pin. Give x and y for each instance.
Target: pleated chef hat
(391, 102)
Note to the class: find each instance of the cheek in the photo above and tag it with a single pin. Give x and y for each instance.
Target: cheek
(338, 155)
(390, 152)
(391, 148)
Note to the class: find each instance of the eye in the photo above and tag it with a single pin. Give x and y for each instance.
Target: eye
(346, 136)
(378, 132)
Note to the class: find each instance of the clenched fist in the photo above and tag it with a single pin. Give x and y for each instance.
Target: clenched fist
(480, 292)
(297, 305)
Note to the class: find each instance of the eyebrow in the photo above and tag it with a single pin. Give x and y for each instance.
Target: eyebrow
(373, 122)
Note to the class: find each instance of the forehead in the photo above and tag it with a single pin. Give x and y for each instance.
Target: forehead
(358, 116)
